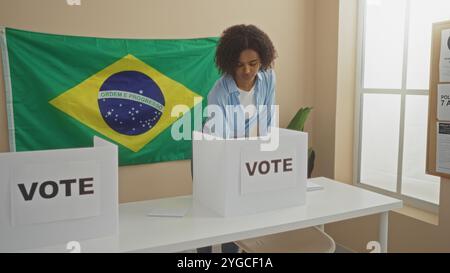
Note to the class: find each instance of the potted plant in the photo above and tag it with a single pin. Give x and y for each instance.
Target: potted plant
(298, 123)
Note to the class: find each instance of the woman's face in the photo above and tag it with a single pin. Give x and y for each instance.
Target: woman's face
(248, 66)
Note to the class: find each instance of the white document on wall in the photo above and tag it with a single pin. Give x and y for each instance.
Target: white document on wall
(444, 60)
(443, 148)
(443, 102)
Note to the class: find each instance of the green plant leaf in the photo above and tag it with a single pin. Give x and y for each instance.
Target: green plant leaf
(298, 122)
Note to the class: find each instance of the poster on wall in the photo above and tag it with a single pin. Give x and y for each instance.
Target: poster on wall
(443, 102)
(443, 148)
(444, 60)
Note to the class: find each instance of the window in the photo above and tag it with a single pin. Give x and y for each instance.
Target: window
(394, 59)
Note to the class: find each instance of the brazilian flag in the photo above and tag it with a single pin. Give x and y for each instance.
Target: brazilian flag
(62, 90)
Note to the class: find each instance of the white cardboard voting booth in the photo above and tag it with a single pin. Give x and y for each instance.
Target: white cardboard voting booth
(55, 196)
(236, 177)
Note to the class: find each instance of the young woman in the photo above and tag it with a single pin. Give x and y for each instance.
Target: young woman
(244, 57)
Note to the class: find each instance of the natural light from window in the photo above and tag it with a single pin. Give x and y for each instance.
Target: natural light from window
(384, 44)
(380, 140)
(395, 97)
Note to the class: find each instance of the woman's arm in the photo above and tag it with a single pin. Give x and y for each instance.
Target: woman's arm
(216, 121)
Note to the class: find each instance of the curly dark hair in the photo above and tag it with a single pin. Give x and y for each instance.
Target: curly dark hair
(236, 39)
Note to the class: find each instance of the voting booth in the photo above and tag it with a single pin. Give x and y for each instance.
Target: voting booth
(244, 176)
(53, 197)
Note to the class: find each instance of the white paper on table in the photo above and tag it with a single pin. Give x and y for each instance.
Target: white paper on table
(443, 148)
(311, 186)
(444, 60)
(443, 102)
(167, 212)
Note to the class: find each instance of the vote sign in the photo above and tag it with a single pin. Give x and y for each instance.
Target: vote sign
(43, 193)
(268, 171)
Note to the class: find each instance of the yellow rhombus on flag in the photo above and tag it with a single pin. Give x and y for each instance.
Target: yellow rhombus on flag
(81, 101)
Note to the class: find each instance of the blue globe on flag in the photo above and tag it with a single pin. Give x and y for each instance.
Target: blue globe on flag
(130, 102)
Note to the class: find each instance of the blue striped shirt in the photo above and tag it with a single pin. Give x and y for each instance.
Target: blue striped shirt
(225, 95)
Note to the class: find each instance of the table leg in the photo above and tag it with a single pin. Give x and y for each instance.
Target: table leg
(383, 232)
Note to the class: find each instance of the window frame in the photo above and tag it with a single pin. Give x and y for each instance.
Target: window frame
(403, 92)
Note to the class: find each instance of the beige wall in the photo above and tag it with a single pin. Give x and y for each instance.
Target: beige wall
(288, 23)
(325, 64)
(345, 90)
(406, 234)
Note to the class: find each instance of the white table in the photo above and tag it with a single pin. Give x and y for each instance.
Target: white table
(140, 233)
